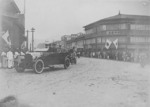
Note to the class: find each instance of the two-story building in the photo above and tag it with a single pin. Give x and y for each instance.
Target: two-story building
(121, 32)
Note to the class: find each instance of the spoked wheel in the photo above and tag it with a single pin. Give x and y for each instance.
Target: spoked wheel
(73, 61)
(67, 63)
(19, 67)
(38, 66)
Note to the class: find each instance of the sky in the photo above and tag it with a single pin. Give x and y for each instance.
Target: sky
(55, 18)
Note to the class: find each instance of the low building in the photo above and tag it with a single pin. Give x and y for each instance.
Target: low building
(71, 37)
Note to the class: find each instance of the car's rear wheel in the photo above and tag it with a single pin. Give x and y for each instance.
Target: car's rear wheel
(67, 63)
(38, 66)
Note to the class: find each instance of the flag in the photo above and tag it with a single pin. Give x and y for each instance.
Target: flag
(17, 32)
(107, 44)
(116, 43)
(23, 46)
(6, 37)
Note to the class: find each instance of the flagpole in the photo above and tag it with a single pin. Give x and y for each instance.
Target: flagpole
(24, 12)
(24, 7)
(25, 24)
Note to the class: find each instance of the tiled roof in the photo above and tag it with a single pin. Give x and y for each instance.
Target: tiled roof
(121, 16)
(124, 16)
(4, 4)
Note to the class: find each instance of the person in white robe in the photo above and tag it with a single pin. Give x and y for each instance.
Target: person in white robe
(4, 60)
(21, 53)
(10, 57)
(16, 54)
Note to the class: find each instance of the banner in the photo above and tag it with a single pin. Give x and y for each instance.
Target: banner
(116, 43)
(6, 37)
(13, 29)
(23, 46)
(107, 44)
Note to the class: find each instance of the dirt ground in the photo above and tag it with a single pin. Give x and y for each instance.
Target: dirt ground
(90, 83)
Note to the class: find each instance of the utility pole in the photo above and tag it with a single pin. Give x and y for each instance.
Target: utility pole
(30, 47)
(24, 7)
(27, 39)
(32, 30)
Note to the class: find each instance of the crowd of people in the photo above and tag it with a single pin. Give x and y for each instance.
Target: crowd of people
(117, 55)
(7, 58)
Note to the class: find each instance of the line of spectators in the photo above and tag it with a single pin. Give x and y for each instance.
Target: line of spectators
(117, 55)
(7, 58)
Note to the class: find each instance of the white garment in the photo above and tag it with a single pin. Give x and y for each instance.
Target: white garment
(93, 53)
(10, 55)
(10, 59)
(10, 63)
(4, 63)
(3, 54)
(16, 54)
(22, 53)
(27, 52)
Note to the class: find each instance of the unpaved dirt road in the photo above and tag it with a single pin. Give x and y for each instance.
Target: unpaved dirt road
(90, 83)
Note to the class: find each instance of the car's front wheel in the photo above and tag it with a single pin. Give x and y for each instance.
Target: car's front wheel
(19, 67)
(38, 66)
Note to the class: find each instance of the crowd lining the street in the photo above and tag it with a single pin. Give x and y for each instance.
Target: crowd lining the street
(120, 56)
(7, 58)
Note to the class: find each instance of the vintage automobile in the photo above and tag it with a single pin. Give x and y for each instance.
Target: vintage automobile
(41, 59)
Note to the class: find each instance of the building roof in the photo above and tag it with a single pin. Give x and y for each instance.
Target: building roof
(125, 16)
(8, 7)
(119, 16)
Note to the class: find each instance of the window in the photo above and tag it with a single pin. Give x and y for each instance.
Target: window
(88, 41)
(103, 27)
(73, 44)
(90, 31)
(116, 26)
(111, 27)
(99, 28)
(137, 39)
(147, 27)
(122, 39)
(103, 40)
(93, 40)
(132, 26)
(123, 26)
(80, 43)
(112, 32)
(99, 40)
(139, 27)
(148, 39)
